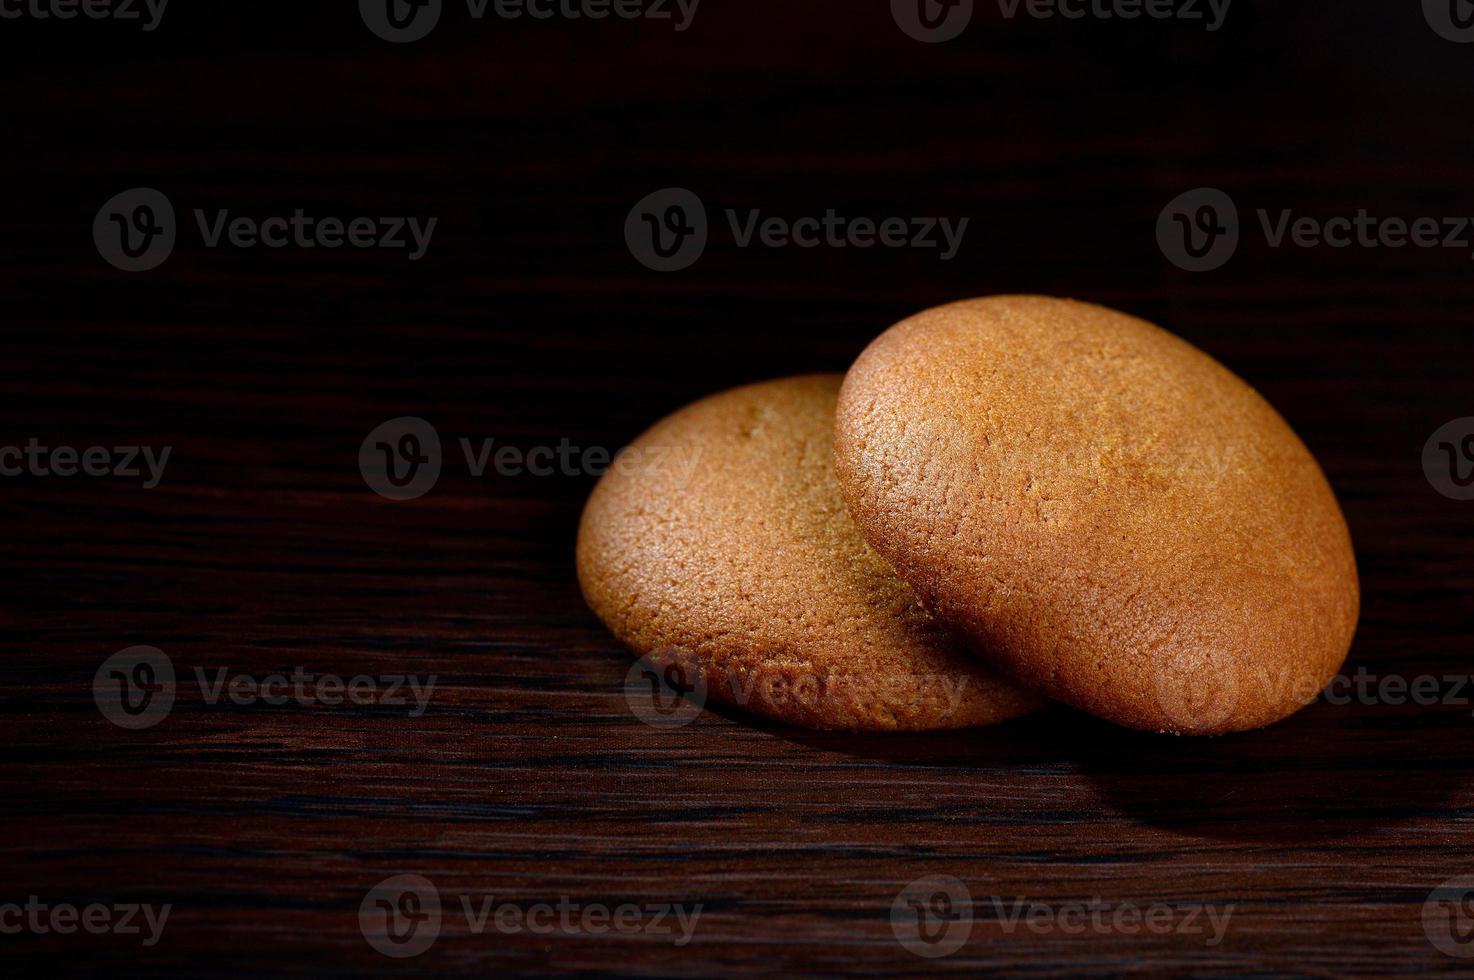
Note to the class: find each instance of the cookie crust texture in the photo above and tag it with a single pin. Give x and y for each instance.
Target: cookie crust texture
(724, 546)
(1108, 513)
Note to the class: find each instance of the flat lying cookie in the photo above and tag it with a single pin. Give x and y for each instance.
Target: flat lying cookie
(1109, 513)
(735, 557)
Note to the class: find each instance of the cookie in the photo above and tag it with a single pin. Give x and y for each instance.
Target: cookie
(719, 543)
(1109, 514)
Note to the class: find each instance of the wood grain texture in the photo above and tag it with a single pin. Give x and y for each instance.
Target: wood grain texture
(529, 777)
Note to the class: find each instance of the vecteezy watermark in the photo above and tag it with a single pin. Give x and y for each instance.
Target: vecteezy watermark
(402, 916)
(136, 688)
(1200, 699)
(932, 21)
(1199, 230)
(136, 231)
(932, 916)
(935, 21)
(1209, 13)
(1448, 917)
(64, 918)
(935, 916)
(1452, 20)
(401, 459)
(403, 21)
(668, 687)
(667, 230)
(148, 13)
(35, 459)
(1448, 459)
(1100, 917)
(1366, 688)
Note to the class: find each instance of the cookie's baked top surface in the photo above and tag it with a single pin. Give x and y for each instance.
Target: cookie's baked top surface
(1109, 511)
(726, 539)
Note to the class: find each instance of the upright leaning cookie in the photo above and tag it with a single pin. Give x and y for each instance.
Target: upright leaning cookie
(723, 545)
(1110, 514)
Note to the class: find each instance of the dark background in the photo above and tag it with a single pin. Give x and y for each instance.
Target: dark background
(529, 321)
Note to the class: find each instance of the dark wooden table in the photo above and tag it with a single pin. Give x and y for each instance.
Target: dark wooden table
(529, 777)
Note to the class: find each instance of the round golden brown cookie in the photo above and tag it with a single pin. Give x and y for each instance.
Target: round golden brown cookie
(1111, 515)
(720, 542)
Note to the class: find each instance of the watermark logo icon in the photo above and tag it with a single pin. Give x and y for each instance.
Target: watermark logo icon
(667, 230)
(400, 916)
(1452, 20)
(932, 916)
(135, 230)
(1448, 917)
(1195, 699)
(134, 688)
(666, 689)
(1198, 230)
(932, 21)
(400, 460)
(400, 21)
(1448, 459)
